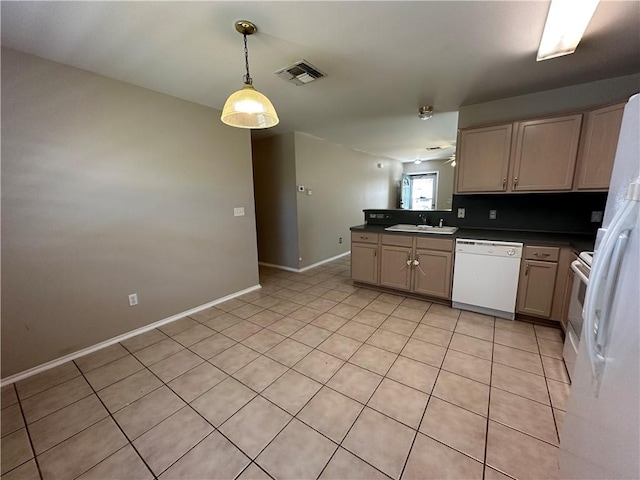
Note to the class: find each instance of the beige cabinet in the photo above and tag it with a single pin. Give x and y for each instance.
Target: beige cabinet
(396, 257)
(432, 273)
(483, 159)
(545, 154)
(598, 147)
(364, 257)
(416, 264)
(537, 281)
(529, 156)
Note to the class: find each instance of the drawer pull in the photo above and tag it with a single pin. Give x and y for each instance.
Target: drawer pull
(526, 270)
(363, 238)
(515, 182)
(541, 254)
(504, 183)
(375, 252)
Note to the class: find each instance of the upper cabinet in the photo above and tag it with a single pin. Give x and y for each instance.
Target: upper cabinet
(486, 153)
(545, 154)
(552, 154)
(598, 147)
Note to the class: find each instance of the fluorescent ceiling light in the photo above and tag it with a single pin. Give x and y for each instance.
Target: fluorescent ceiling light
(566, 22)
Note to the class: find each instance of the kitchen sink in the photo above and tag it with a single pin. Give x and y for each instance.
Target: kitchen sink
(422, 229)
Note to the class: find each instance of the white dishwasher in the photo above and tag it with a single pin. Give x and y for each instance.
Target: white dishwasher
(485, 277)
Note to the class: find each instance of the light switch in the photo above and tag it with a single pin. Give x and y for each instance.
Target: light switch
(238, 212)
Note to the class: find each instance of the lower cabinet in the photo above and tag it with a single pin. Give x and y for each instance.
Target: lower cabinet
(432, 274)
(537, 281)
(364, 257)
(416, 264)
(395, 267)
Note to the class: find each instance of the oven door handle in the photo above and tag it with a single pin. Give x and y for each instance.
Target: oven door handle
(575, 266)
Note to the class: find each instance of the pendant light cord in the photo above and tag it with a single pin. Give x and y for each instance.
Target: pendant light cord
(247, 78)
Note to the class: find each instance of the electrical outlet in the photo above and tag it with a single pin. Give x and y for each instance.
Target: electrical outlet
(238, 212)
(596, 216)
(340, 240)
(133, 299)
(461, 212)
(493, 214)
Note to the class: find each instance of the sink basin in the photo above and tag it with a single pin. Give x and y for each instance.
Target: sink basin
(422, 229)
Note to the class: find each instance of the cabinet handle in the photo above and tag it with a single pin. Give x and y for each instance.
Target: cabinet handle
(363, 238)
(375, 252)
(515, 182)
(526, 270)
(540, 254)
(416, 262)
(409, 258)
(504, 183)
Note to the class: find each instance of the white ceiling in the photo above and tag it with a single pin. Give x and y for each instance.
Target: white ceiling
(384, 59)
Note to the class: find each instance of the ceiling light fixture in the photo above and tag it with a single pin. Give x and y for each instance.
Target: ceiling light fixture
(425, 113)
(248, 108)
(417, 161)
(566, 22)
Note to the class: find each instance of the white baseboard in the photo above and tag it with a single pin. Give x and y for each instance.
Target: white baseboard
(304, 269)
(85, 351)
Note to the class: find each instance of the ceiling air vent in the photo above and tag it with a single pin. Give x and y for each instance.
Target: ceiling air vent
(300, 73)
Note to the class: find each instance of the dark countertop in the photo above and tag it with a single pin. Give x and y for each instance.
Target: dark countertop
(578, 242)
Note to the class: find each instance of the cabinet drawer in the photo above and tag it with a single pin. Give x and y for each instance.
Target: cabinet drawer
(443, 244)
(548, 254)
(397, 240)
(364, 237)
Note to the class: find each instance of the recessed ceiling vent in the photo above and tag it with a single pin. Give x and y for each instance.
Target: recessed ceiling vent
(300, 73)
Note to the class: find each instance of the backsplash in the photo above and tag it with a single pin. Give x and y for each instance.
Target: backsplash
(540, 212)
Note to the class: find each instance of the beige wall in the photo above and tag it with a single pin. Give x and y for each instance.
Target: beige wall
(110, 189)
(274, 173)
(549, 102)
(343, 183)
(446, 174)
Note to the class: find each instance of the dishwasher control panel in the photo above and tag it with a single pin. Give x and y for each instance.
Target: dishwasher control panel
(488, 247)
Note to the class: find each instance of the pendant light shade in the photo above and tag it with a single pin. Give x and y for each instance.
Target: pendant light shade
(248, 108)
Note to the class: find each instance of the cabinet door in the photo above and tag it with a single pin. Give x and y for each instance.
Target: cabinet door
(432, 275)
(545, 154)
(483, 159)
(535, 290)
(598, 147)
(394, 271)
(364, 262)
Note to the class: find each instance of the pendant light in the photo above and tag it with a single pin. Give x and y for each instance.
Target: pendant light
(248, 108)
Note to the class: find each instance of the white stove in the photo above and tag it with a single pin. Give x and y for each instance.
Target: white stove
(581, 268)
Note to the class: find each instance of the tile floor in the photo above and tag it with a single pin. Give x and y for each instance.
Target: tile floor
(309, 377)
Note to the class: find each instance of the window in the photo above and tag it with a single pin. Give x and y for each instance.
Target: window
(419, 191)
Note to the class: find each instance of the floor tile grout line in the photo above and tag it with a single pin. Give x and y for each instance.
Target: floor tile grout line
(546, 383)
(424, 412)
(46, 389)
(486, 432)
(26, 427)
(119, 428)
(57, 410)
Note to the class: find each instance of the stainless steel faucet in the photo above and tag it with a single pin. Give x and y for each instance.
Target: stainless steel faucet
(441, 222)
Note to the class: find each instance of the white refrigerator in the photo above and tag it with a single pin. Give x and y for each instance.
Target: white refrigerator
(600, 438)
